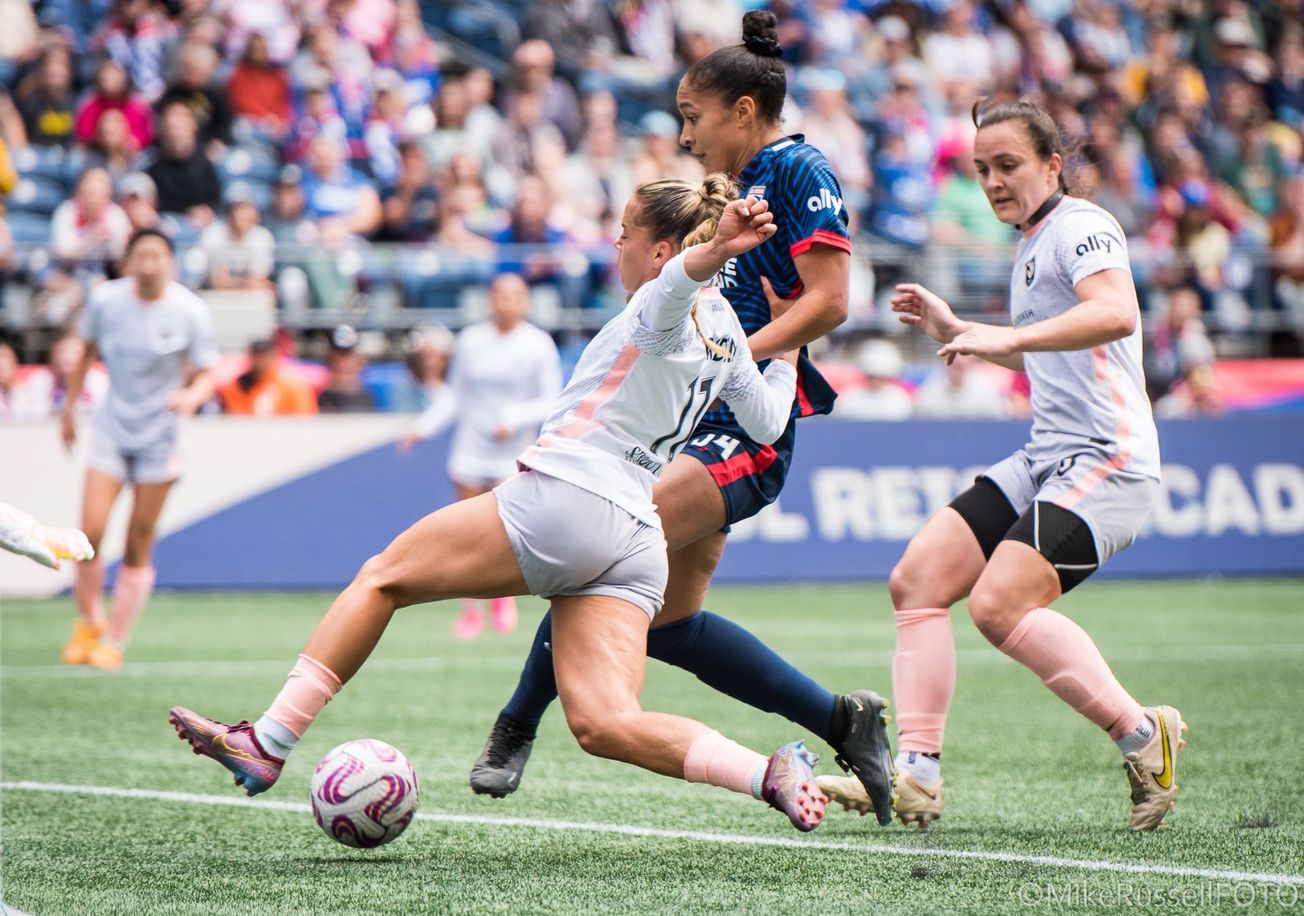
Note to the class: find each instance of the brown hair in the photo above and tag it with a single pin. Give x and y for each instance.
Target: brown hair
(1037, 123)
(687, 214)
(749, 69)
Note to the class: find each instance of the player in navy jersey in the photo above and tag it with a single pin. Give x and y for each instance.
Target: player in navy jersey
(787, 292)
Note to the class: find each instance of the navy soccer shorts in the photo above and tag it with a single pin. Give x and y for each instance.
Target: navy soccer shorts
(749, 475)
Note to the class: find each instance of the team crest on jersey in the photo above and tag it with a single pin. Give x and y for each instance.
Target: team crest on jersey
(1029, 271)
(757, 191)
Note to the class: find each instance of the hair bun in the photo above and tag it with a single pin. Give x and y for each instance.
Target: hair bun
(761, 34)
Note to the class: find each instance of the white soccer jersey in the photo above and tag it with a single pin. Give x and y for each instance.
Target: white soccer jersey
(497, 380)
(642, 385)
(1082, 398)
(147, 347)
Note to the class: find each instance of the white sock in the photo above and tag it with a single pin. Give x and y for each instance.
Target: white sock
(924, 767)
(275, 738)
(1135, 740)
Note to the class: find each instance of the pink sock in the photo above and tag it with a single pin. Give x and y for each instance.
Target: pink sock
(1062, 654)
(130, 595)
(715, 760)
(923, 677)
(88, 589)
(310, 686)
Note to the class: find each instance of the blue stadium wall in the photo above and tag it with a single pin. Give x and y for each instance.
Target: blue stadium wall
(1233, 503)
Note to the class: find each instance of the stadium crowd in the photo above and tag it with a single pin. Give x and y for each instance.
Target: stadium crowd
(331, 152)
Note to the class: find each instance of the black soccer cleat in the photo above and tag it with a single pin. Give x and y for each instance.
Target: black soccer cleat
(864, 751)
(497, 771)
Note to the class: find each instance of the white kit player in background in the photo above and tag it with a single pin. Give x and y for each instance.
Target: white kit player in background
(1040, 522)
(156, 340)
(577, 525)
(505, 376)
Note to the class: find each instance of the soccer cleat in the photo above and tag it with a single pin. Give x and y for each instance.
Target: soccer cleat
(468, 624)
(85, 637)
(105, 657)
(236, 747)
(789, 786)
(1152, 771)
(497, 771)
(502, 614)
(864, 750)
(916, 802)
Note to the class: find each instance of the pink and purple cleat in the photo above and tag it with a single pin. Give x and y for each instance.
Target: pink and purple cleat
(234, 746)
(789, 785)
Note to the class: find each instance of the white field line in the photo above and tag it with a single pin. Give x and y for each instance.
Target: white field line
(221, 668)
(731, 839)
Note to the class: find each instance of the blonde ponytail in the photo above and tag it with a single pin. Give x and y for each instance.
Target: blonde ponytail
(686, 214)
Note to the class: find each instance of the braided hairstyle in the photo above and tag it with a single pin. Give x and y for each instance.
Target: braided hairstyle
(687, 214)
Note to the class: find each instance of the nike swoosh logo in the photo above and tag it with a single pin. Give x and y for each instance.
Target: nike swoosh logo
(860, 707)
(1164, 778)
(920, 786)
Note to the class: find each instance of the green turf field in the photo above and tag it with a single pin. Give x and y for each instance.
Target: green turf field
(1025, 777)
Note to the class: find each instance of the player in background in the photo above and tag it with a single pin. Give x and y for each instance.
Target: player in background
(504, 377)
(1038, 523)
(731, 102)
(153, 335)
(577, 525)
(25, 536)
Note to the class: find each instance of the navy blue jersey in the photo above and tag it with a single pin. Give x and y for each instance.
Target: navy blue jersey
(806, 200)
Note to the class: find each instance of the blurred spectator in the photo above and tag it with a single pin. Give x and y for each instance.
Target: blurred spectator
(828, 125)
(576, 30)
(368, 22)
(903, 192)
(1287, 251)
(959, 52)
(530, 227)
(112, 93)
(960, 391)
(112, 148)
(186, 181)
(414, 55)
(460, 125)
(46, 100)
(961, 213)
(276, 23)
(661, 156)
(338, 199)
(596, 180)
(411, 205)
(258, 89)
(1254, 168)
(89, 228)
(14, 403)
(1177, 343)
(1196, 395)
(347, 68)
(318, 116)
(240, 251)
(426, 353)
(137, 35)
(387, 127)
(193, 87)
(268, 387)
(522, 141)
(45, 390)
(1286, 91)
(12, 129)
(883, 396)
(138, 197)
(344, 392)
(533, 64)
(287, 219)
(1098, 37)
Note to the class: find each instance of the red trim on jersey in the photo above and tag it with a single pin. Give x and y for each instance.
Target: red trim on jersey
(744, 465)
(806, 408)
(821, 237)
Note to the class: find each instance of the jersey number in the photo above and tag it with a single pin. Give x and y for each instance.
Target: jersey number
(698, 388)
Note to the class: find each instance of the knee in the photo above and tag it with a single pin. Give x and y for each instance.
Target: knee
(601, 734)
(379, 579)
(912, 585)
(993, 611)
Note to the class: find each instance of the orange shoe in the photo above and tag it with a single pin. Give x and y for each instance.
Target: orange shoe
(105, 657)
(85, 636)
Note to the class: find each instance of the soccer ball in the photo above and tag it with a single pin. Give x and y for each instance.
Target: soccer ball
(364, 793)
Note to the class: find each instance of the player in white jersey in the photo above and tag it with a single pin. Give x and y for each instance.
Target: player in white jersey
(156, 340)
(504, 377)
(1036, 524)
(577, 525)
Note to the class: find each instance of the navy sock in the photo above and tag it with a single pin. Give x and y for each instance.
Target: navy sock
(537, 687)
(730, 659)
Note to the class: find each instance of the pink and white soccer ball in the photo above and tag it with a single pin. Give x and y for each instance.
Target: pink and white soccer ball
(364, 793)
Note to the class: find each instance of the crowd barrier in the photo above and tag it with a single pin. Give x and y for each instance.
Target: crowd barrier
(301, 503)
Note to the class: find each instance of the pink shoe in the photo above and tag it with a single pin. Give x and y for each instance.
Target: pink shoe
(789, 785)
(502, 612)
(468, 624)
(234, 746)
